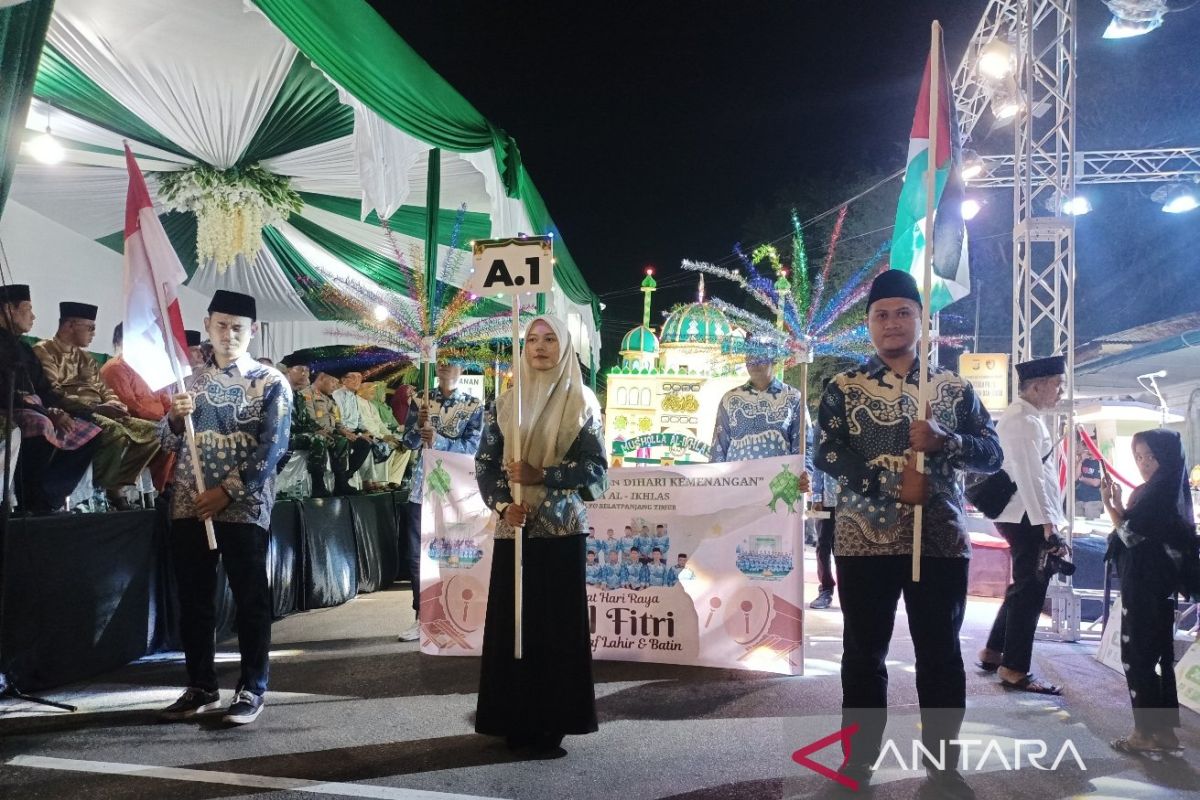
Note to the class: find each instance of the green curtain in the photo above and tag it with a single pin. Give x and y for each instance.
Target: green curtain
(306, 112)
(408, 220)
(63, 85)
(300, 274)
(357, 49)
(22, 32)
(180, 227)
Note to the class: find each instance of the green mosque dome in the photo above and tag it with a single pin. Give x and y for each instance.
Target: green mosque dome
(640, 340)
(698, 323)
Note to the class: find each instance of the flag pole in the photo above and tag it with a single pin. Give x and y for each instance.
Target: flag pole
(518, 549)
(935, 63)
(189, 430)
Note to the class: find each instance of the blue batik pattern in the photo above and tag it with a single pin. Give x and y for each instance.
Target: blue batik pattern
(754, 424)
(456, 429)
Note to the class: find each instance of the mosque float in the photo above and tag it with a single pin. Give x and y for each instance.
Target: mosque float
(663, 398)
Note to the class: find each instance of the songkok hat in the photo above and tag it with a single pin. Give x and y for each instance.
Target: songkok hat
(193, 338)
(1042, 367)
(77, 311)
(234, 303)
(14, 293)
(894, 283)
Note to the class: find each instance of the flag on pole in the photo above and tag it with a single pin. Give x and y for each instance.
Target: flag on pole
(951, 275)
(153, 276)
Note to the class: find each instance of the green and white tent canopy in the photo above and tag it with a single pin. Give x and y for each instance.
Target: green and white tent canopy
(320, 91)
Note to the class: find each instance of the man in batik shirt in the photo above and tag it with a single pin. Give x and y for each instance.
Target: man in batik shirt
(241, 411)
(127, 444)
(870, 437)
(451, 421)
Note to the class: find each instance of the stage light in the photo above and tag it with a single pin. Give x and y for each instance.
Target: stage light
(1077, 206)
(1134, 17)
(971, 208)
(1006, 104)
(46, 149)
(381, 313)
(1177, 198)
(972, 165)
(997, 60)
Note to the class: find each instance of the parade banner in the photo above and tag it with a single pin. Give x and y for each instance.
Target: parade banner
(698, 564)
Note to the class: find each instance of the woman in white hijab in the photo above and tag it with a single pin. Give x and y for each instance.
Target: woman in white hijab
(534, 702)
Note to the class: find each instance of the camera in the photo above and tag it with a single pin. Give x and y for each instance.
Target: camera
(1055, 564)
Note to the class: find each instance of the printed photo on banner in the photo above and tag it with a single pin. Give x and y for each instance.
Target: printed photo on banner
(689, 564)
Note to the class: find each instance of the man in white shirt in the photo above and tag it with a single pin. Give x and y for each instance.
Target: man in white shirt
(1034, 514)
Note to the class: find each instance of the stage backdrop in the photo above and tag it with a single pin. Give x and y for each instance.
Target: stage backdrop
(703, 565)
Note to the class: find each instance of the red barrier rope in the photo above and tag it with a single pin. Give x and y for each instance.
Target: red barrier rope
(1091, 445)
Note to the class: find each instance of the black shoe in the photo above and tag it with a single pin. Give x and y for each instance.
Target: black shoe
(946, 783)
(318, 487)
(191, 703)
(245, 708)
(824, 599)
(345, 490)
(547, 746)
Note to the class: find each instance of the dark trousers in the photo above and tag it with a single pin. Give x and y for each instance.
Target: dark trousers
(1148, 581)
(869, 589)
(1016, 621)
(242, 548)
(46, 475)
(410, 547)
(825, 553)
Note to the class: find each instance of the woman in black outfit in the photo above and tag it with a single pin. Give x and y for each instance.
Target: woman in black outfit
(1155, 549)
(533, 702)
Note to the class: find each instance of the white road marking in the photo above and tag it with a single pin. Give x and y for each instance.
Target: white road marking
(236, 779)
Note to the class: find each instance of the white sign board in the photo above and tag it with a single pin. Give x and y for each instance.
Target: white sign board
(511, 266)
(472, 385)
(988, 373)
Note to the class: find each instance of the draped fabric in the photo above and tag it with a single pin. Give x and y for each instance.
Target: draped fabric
(22, 31)
(337, 103)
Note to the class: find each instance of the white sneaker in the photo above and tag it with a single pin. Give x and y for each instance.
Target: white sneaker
(412, 634)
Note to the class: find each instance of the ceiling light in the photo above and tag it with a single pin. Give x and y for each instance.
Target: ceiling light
(46, 149)
(381, 313)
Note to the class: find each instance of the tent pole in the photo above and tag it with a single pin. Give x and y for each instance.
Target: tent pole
(433, 194)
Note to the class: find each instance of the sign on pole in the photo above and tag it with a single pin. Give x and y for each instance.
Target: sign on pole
(510, 266)
(988, 373)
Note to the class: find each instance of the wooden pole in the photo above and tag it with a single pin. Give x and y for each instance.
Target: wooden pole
(518, 547)
(935, 63)
(189, 430)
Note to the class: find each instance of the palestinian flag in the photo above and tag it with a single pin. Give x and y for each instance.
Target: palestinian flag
(951, 275)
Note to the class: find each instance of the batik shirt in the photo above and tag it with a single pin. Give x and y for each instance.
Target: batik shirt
(759, 424)
(242, 418)
(457, 420)
(562, 511)
(864, 418)
(655, 574)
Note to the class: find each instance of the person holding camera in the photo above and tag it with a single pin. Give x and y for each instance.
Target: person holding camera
(1029, 523)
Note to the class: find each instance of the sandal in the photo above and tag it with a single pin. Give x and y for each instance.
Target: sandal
(1123, 745)
(1032, 685)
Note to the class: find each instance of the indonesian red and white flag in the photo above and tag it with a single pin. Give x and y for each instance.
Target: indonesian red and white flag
(153, 275)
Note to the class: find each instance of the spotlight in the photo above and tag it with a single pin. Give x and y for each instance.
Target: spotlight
(997, 59)
(1178, 198)
(1075, 206)
(46, 149)
(972, 165)
(1006, 104)
(970, 208)
(1134, 17)
(381, 313)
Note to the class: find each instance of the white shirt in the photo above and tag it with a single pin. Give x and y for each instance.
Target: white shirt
(1025, 441)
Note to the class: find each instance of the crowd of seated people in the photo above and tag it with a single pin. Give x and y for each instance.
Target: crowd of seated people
(72, 413)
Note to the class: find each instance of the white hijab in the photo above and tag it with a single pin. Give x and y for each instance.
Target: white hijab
(555, 405)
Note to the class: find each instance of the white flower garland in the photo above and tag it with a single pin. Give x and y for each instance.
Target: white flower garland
(232, 207)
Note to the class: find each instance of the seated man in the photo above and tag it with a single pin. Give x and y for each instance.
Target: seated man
(127, 443)
(142, 403)
(387, 441)
(325, 433)
(56, 447)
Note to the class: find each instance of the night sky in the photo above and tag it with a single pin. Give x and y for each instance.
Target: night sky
(674, 128)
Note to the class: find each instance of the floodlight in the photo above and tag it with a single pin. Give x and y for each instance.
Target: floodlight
(1077, 206)
(970, 208)
(997, 60)
(1178, 198)
(1134, 17)
(1007, 104)
(381, 313)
